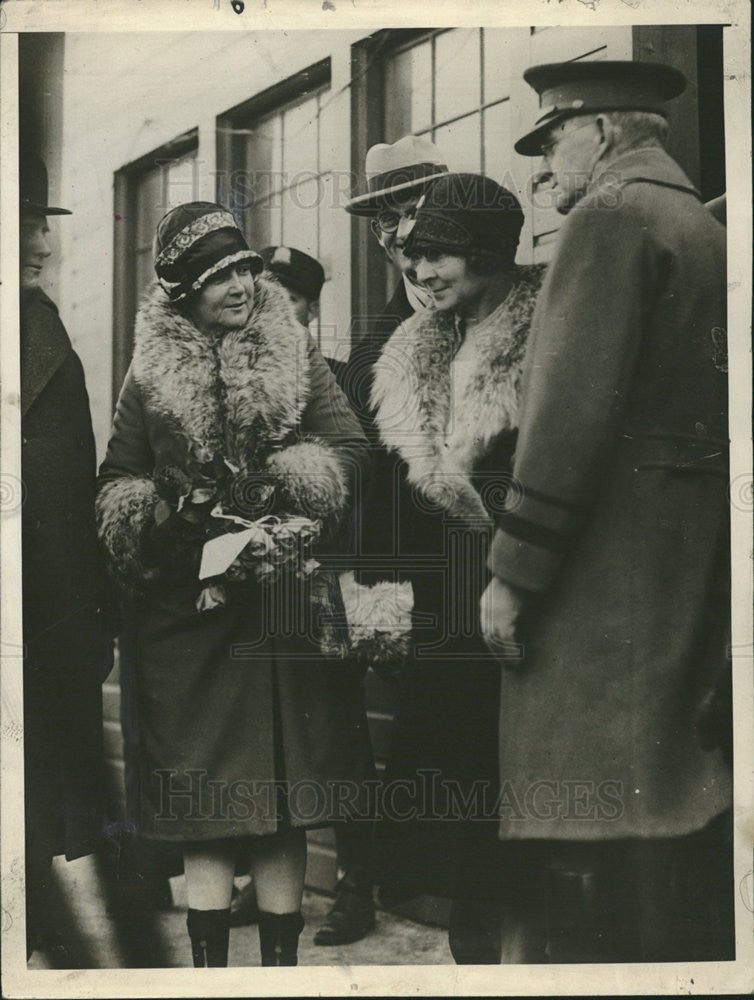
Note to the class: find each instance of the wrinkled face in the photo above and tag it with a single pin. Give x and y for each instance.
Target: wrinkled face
(392, 225)
(569, 154)
(452, 284)
(225, 300)
(304, 310)
(35, 249)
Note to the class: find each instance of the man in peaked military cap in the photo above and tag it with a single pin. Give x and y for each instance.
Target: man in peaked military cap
(611, 564)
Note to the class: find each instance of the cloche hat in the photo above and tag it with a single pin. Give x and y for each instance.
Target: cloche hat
(467, 214)
(195, 241)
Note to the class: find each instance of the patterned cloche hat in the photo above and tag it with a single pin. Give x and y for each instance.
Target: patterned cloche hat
(195, 241)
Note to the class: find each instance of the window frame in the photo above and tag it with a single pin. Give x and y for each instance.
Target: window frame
(125, 297)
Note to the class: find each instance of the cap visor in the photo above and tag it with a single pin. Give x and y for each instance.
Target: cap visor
(531, 143)
(370, 204)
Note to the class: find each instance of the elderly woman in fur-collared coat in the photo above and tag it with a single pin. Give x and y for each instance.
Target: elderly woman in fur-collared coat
(445, 403)
(229, 700)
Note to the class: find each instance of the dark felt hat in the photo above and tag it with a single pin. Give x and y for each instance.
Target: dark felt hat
(466, 214)
(295, 269)
(195, 241)
(577, 88)
(32, 181)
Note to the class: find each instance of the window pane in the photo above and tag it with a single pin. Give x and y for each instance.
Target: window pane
(408, 85)
(300, 216)
(330, 214)
(144, 272)
(149, 206)
(263, 160)
(264, 223)
(500, 61)
(461, 143)
(181, 181)
(300, 142)
(457, 72)
(498, 146)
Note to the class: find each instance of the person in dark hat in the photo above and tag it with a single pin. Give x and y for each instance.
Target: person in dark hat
(242, 706)
(67, 624)
(611, 568)
(445, 402)
(302, 277)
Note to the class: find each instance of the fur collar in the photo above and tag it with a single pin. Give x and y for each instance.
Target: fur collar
(412, 395)
(239, 394)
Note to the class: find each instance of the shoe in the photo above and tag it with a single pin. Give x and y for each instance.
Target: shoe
(351, 916)
(278, 938)
(209, 931)
(243, 906)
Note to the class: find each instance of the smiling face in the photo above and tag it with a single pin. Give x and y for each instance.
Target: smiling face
(570, 153)
(35, 249)
(454, 286)
(392, 225)
(225, 300)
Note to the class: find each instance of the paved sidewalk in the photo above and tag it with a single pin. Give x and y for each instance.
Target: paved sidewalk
(395, 941)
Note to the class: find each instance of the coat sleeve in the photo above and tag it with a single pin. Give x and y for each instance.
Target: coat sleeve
(126, 494)
(586, 335)
(323, 473)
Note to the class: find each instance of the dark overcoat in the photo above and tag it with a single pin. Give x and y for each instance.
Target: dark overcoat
(232, 700)
(65, 627)
(620, 531)
(358, 377)
(432, 509)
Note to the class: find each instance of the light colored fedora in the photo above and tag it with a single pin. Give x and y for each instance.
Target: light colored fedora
(397, 169)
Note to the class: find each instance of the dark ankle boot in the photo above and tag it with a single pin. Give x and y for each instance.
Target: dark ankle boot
(209, 931)
(278, 937)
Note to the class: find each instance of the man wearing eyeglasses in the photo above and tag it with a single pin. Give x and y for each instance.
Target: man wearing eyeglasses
(611, 564)
(397, 174)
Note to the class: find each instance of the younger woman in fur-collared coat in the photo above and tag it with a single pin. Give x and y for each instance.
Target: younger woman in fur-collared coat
(445, 398)
(246, 726)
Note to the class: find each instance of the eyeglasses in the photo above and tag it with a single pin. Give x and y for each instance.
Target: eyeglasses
(547, 148)
(387, 221)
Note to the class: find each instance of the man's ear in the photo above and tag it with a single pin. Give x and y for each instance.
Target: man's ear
(608, 134)
(312, 311)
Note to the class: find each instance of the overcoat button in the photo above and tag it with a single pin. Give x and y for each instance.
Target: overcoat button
(700, 427)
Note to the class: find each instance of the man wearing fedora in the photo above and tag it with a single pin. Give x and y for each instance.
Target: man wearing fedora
(65, 623)
(611, 564)
(397, 174)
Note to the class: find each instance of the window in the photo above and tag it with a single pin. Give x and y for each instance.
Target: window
(464, 88)
(275, 172)
(144, 192)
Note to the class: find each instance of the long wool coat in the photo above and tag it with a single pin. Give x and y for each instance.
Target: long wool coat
(237, 698)
(433, 516)
(68, 645)
(621, 528)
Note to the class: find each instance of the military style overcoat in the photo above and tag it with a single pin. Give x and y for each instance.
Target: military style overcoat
(66, 635)
(621, 531)
(237, 698)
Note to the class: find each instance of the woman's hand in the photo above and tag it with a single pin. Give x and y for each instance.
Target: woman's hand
(500, 609)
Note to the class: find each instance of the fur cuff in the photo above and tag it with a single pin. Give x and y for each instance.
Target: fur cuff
(310, 480)
(379, 622)
(124, 510)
